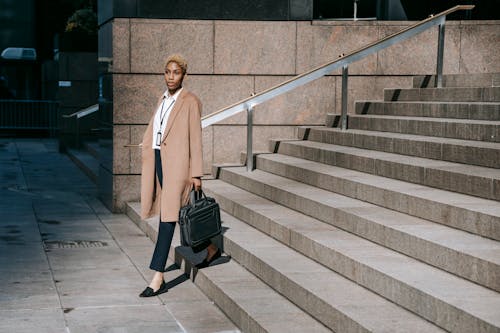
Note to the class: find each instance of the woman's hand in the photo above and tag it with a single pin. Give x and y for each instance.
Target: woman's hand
(196, 182)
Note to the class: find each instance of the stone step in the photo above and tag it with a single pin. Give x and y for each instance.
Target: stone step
(93, 148)
(457, 80)
(251, 304)
(463, 129)
(472, 214)
(86, 162)
(404, 281)
(483, 94)
(471, 152)
(467, 179)
(460, 110)
(461, 253)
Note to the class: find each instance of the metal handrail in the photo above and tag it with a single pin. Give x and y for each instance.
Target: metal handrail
(83, 112)
(342, 62)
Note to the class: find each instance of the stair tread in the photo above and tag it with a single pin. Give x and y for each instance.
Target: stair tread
(457, 80)
(429, 119)
(427, 102)
(471, 170)
(484, 110)
(86, 161)
(410, 271)
(434, 139)
(442, 88)
(490, 94)
(93, 148)
(83, 155)
(365, 307)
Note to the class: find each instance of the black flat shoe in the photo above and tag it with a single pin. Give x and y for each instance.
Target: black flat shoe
(206, 263)
(149, 292)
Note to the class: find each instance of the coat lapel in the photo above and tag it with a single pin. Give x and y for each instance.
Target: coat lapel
(174, 113)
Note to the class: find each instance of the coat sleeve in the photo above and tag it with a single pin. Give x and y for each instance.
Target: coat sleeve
(195, 140)
(148, 178)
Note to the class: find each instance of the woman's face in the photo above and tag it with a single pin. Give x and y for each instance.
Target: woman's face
(173, 77)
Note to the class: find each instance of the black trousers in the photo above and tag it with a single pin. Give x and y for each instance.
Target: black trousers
(165, 229)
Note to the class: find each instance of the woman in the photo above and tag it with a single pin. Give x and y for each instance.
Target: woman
(171, 165)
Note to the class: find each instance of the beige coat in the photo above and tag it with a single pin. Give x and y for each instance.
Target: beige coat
(181, 158)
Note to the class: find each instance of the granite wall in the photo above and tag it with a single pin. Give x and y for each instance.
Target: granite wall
(230, 60)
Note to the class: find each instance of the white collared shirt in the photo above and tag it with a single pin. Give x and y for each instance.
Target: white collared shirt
(161, 117)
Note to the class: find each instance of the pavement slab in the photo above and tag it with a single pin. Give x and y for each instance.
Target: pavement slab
(67, 264)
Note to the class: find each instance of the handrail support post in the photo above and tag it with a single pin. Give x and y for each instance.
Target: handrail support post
(440, 55)
(250, 139)
(343, 117)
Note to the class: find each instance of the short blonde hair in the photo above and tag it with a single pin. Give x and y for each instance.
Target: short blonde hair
(179, 60)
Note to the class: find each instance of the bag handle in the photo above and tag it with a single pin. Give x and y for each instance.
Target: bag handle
(196, 195)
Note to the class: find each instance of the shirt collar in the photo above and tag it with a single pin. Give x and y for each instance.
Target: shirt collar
(167, 95)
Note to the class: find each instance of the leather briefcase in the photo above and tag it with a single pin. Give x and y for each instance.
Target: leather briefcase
(199, 220)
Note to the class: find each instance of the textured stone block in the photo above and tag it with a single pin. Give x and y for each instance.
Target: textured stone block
(484, 37)
(136, 136)
(373, 142)
(307, 105)
(265, 48)
(418, 54)
(491, 94)
(496, 191)
(452, 181)
(121, 154)
(219, 91)
(152, 41)
(481, 186)
(340, 138)
(405, 172)
(126, 188)
(121, 45)
(472, 131)
(135, 97)
(484, 111)
(228, 142)
(323, 42)
(208, 149)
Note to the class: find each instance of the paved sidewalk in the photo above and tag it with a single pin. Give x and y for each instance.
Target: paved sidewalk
(68, 265)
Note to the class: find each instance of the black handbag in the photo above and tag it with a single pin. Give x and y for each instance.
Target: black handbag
(199, 220)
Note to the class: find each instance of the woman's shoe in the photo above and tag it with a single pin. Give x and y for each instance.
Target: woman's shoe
(149, 292)
(206, 263)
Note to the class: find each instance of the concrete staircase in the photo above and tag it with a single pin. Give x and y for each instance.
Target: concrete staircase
(391, 226)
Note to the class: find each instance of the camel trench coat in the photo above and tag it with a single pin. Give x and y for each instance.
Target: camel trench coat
(181, 159)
